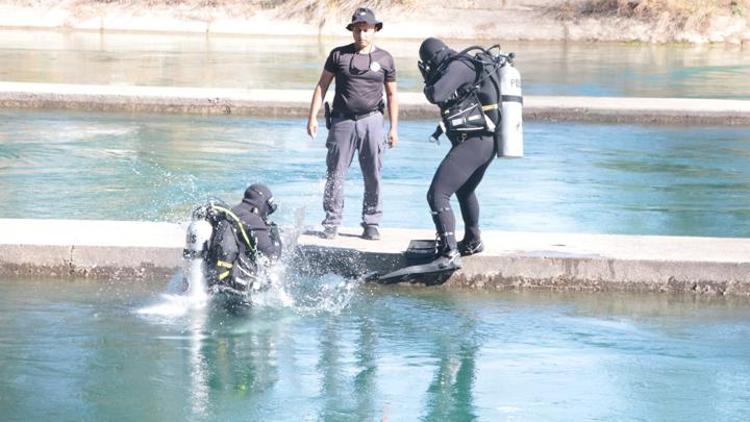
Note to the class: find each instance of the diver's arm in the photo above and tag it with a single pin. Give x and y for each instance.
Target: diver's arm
(268, 242)
(392, 97)
(317, 99)
(457, 73)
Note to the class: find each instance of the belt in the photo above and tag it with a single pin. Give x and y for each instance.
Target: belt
(352, 116)
(463, 136)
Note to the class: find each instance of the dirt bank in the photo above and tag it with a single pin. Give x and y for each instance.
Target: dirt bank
(575, 20)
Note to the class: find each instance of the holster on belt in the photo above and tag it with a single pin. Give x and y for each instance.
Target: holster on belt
(327, 111)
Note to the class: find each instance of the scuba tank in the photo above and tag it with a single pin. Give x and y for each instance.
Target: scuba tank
(467, 114)
(510, 140)
(218, 238)
(195, 253)
(197, 239)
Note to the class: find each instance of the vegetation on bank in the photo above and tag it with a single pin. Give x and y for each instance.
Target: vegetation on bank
(645, 20)
(681, 15)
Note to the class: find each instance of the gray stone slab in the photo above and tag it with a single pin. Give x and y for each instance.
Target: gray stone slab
(125, 262)
(91, 233)
(273, 103)
(511, 259)
(34, 260)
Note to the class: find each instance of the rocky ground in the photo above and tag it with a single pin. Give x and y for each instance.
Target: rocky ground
(575, 20)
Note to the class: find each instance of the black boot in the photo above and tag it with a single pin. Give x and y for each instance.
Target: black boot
(470, 247)
(449, 260)
(447, 249)
(448, 256)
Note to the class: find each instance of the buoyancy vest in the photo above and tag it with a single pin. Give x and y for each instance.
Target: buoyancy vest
(473, 108)
(491, 105)
(232, 257)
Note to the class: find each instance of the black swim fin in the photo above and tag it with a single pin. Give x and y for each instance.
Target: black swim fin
(435, 272)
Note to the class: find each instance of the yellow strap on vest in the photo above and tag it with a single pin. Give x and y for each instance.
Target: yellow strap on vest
(223, 275)
(240, 225)
(487, 107)
(224, 264)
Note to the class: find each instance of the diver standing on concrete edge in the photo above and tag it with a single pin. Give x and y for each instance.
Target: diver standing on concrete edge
(468, 91)
(355, 123)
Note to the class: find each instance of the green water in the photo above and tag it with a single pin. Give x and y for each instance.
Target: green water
(336, 350)
(595, 178)
(548, 68)
(79, 350)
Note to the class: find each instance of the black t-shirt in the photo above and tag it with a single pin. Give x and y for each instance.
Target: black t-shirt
(359, 78)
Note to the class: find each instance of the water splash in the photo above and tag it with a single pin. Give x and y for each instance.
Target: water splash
(197, 290)
(303, 295)
(282, 286)
(181, 298)
(329, 293)
(275, 293)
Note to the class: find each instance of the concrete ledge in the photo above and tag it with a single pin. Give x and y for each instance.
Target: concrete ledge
(137, 250)
(276, 103)
(99, 249)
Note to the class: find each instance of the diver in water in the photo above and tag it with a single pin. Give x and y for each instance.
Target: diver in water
(256, 205)
(237, 244)
(449, 78)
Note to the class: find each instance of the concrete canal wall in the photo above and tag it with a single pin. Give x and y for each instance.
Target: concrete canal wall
(127, 251)
(295, 103)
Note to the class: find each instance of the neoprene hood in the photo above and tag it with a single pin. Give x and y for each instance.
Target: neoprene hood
(259, 196)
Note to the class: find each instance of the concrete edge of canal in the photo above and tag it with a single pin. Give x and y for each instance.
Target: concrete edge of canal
(278, 103)
(130, 251)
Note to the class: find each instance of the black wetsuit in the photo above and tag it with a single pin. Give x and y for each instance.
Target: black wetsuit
(463, 167)
(265, 233)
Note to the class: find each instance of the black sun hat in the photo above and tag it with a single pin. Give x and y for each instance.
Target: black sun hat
(365, 15)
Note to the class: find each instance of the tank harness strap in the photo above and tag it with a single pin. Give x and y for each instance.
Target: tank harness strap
(250, 245)
(464, 121)
(512, 98)
(224, 264)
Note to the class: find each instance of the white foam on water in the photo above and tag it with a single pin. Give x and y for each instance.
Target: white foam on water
(329, 293)
(302, 294)
(276, 294)
(279, 289)
(196, 277)
(509, 409)
(173, 305)
(94, 132)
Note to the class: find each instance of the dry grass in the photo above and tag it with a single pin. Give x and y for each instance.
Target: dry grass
(319, 10)
(310, 7)
(316, 11)
(679, 14)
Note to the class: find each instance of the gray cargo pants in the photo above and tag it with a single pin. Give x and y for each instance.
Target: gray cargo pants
(345, 137)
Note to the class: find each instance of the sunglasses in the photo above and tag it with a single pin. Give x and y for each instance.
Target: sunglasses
(356, 71)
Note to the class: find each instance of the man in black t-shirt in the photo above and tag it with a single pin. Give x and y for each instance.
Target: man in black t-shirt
(361, 71)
